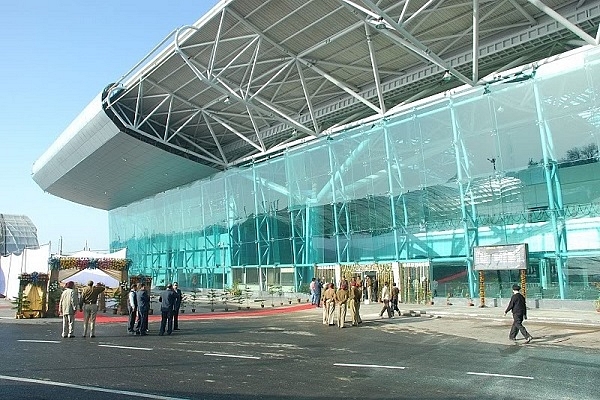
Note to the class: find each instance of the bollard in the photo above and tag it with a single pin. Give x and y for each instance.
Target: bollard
(495, 302)
(537, 303)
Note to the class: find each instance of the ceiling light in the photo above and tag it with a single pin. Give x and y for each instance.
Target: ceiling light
(447, 76)
(226, 100)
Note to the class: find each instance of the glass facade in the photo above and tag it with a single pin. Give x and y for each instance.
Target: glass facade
(17, 233)
(514, 162)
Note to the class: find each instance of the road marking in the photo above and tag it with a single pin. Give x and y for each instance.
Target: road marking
(500, 375)
(92, 388)
(230, 355)
(38, 341)
(125, 347)
(367, 366)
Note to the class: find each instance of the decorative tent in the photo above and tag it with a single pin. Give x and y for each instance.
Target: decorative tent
(110, 269)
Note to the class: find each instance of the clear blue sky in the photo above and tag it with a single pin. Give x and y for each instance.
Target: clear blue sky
(56, 57)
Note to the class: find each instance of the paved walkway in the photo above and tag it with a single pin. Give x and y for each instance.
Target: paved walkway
(459, 310)
(554, 327)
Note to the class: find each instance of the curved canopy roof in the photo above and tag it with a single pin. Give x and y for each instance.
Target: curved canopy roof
(253, 77)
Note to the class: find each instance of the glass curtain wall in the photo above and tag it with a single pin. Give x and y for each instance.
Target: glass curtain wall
(514, 162)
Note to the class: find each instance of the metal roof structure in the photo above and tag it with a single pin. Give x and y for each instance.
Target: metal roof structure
(254, 77)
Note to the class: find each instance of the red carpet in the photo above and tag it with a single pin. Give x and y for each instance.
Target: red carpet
(108, 317)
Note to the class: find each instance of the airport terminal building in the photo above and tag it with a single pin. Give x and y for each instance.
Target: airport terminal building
(277, 140)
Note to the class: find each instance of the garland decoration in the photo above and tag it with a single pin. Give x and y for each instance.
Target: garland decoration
(35, 278)
(116, 264)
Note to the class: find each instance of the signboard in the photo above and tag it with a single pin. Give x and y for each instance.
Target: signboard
(502, 257)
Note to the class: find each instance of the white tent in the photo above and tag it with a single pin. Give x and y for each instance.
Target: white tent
(96, 275)
(11, 266)
(90, 254)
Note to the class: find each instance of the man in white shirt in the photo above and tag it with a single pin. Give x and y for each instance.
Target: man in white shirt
(385, 299)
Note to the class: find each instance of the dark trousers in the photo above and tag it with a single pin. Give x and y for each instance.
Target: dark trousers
(176, 319)
(166, 321)
(386, 308)
(132, 318)
(517, 327)
(395, 306)
(142, 322)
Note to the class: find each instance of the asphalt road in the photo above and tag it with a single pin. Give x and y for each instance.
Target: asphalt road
(291, 356)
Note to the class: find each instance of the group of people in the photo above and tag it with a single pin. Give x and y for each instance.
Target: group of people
(138, 305)
(348, 295)
(70, 301)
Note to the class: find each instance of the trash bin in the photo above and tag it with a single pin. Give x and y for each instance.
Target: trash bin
(495, 302)
(537, 303)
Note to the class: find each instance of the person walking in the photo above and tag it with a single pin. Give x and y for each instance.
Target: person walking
(143, 308)
(67, 307)
(178, 300)
(385, 299)
(328, 305)
(341, 298)
(519, 311)
(132, 309)
(394, 299)
(167, 304)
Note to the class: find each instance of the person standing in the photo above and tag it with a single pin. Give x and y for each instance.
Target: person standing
(369, 284)
(67, 307)
(341, 298)
(178, 300)
(89, 303)
(328, 305)
(519, 311)
(385, 299)
(132, 308)
(318, 289)
(313, 296)
(167, 304)
(354, 303)
(143, 308)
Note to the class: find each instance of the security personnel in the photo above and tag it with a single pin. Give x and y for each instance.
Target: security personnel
(341, 298)
(89, 303)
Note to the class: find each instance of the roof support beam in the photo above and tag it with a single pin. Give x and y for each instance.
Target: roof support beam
(307, 97)
(224, 88)
(375, 71)
(475, 76)
(411, 42)
(564, 22)
(214, 136)
(235, 131)
(308, 64)
(531, 20)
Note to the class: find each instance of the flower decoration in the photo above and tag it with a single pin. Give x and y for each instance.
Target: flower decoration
(117, 264)
(124, 286)
(35, 278)
(53, 286)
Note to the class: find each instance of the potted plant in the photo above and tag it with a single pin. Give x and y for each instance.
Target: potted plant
(212, 298)
(194, 300)
(20, 304)
(225, 297)
(247, 296)
(273, 289)
(183, 303)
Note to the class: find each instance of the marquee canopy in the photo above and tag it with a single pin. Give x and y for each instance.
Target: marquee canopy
(254, 77)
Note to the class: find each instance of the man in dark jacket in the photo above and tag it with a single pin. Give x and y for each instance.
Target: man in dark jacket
(519, 310)
(178, 301)
(167, 305)
(143, 308)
